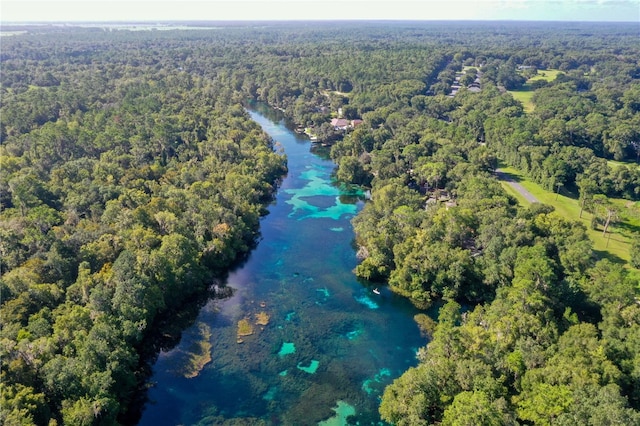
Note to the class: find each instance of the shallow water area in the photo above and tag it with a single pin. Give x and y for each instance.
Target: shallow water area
(287, 349)
(330, 344)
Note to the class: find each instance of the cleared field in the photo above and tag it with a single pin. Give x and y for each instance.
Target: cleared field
(525, 94)
(547, 75)
(614, 164)
(615, 245)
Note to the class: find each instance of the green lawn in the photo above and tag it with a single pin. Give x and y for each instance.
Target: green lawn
(616, 245)
(515, 194)
(525, 94)
(613, 163)
(548, 75)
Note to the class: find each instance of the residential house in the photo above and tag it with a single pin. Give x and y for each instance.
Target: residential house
(340, 123)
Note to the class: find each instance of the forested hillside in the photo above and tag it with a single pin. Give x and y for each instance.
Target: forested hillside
(131, 177)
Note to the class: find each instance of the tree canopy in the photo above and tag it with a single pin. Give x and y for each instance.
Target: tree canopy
(131, 177)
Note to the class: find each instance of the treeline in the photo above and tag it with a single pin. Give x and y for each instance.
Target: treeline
(125, 190)
(131, 175)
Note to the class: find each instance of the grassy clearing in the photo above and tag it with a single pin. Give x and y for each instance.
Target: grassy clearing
(335, 92)
(615, 245)
(525, 94)
(613, 164)
(547, 75)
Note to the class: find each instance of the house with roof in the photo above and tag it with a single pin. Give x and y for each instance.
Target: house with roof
(340, 123)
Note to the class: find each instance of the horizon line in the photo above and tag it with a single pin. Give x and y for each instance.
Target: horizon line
(323, 20)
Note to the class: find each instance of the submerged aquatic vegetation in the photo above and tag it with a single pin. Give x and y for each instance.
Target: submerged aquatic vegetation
(321, 343)
(244, 328)
(199, 353)
(262, 318)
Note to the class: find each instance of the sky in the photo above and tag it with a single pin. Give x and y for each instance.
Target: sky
(213, 10)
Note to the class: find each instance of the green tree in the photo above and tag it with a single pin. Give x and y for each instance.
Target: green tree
(543, 403)
(470, 409)
(21, 405)
(587, 189)
(432, 173)
(595, 406)
(635, 251)
(605, 211)
(350, 170)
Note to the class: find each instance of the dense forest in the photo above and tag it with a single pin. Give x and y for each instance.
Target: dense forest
(131, 178)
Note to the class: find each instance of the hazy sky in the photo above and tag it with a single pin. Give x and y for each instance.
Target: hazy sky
(162, 10)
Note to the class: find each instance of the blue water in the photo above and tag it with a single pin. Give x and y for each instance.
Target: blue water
(331, 344)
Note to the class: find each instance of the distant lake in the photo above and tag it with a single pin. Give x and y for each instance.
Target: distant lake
(330, 344)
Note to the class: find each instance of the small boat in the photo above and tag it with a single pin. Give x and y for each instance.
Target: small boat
(376, 291)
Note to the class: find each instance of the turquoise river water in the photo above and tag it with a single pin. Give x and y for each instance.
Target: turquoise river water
(331, 344)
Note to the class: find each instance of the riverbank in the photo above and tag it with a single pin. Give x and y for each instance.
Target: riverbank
(330, 341)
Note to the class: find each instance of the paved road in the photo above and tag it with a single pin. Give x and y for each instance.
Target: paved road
(515, 185)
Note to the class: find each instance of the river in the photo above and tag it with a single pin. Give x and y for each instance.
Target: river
(330, 344)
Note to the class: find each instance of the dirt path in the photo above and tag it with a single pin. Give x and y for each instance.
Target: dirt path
(515, 185)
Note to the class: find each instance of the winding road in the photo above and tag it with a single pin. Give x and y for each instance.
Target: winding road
(515, 185)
